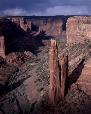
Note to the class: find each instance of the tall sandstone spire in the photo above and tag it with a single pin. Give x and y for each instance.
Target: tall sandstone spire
(2, 46)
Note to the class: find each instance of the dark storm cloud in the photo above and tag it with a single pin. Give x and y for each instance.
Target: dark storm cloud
(44, 7)
(42, 3)
(27, 4)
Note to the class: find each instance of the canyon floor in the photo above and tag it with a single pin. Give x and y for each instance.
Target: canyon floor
(27, 89)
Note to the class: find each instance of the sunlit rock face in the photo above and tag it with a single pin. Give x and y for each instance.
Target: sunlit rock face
(51, 26)
(2, 46)
(78, 29)
(25, 24)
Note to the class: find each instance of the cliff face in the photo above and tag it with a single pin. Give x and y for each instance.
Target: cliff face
(24, 33)
(78, 29)
(23, 23)
(14, 37)
(19, 32)
(51, 26)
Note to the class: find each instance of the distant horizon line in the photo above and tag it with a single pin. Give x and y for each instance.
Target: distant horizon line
(41, 15)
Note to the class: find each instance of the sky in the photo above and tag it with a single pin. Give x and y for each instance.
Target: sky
(44, 7)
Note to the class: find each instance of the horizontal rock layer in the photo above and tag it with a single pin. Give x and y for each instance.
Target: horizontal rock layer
(78, 29)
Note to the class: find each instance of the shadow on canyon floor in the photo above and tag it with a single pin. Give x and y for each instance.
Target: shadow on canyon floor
(18, 40)
(7, 88)
(74, 75)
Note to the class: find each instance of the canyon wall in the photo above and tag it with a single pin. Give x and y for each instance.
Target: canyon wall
(21, 33)
(78, 29)
(51, 26)
(14, 36)
(22, 22)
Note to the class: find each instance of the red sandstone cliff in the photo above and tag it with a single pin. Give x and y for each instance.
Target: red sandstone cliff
(78, 28)
(51, 27)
